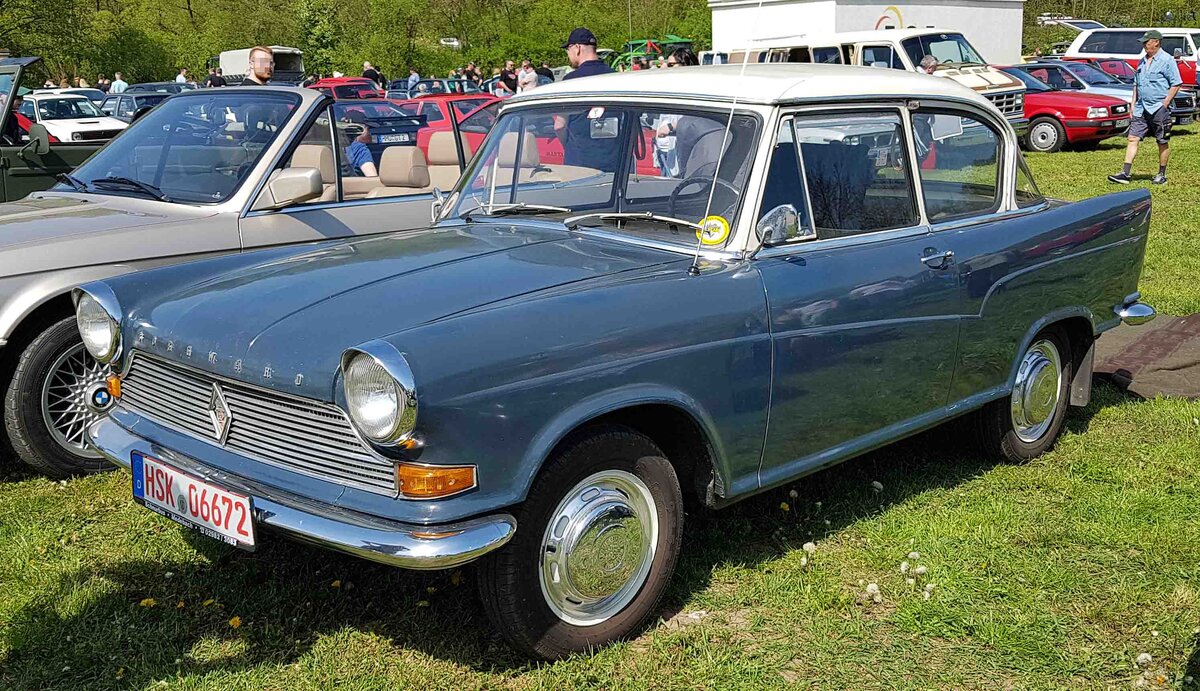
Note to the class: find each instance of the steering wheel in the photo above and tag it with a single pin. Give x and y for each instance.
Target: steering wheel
(707, 182)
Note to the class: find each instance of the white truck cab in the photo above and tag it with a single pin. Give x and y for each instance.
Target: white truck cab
(899, 49)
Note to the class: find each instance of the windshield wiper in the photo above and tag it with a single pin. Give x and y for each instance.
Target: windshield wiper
(515, 209)
(575, 221)
(74, 182)
(136, 184)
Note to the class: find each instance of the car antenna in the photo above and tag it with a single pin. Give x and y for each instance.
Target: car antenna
(707, 220)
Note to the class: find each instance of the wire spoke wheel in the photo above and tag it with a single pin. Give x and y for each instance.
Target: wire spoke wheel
(73, 376)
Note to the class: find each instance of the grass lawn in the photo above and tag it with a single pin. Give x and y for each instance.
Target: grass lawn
(1059, 573)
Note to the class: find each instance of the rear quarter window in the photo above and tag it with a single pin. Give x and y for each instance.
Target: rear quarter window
(1112, 42)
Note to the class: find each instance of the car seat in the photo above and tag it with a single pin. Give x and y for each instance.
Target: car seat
(318, 156)
(402, 170)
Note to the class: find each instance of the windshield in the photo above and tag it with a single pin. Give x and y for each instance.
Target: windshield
(614, 159)
(1119, 68)
(1092, 75)
(1031, 82)
(66, 108)
(194, 148)
(947, 48)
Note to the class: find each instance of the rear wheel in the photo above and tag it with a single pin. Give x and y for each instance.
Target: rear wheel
(596, 544)
(57, 391)
(1029, 421)
(1046, 135)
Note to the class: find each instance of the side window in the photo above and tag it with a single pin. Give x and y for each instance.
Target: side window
(959, 163)
(881, 56)
(377, 149)
(315, 150)
(432, 113)
(1170, 43)
(784, 186)
(125, 108)
(28, 110)
(856, 175)
(831, 56)
(109, 106)
(1028, 193)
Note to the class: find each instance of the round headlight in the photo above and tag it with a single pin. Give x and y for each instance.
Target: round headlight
(376, 401)
(100, 332)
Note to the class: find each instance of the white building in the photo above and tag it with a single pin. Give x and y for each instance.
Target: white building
(992, 26)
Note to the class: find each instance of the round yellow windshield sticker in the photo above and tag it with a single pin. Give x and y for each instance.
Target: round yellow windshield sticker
(713, 230)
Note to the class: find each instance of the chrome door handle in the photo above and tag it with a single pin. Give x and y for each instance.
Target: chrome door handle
(938, 260)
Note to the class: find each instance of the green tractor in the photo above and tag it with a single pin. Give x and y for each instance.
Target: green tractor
(648, 49)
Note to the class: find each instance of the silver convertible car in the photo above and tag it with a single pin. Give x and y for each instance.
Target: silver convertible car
(697, 283)
(206, 172)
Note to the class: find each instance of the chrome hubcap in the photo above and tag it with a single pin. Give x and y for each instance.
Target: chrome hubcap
(1044, 136)
(72, 399)
(1035, 397)
(598, 547)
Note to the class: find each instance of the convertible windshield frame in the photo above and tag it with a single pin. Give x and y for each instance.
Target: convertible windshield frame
(145, 140)
(746, 159)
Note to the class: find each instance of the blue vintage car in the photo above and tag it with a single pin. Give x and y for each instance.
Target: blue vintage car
(695, 283)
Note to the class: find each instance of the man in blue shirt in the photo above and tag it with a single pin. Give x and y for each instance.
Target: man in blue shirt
(1154, 87)
(580, 148)
(358, 155)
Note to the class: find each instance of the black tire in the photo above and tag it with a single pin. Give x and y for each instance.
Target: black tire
(998, 432)
(510, 581)
(1045, 135)
(28, 431)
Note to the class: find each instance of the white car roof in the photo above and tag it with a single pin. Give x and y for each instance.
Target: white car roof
(56, 96)
(759, 84)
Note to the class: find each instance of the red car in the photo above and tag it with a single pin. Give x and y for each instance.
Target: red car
(439, 108)
(1114, 66)
(1059, 117)
(342, 88)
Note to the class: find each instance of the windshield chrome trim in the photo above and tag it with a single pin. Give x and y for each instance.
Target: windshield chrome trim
(299, 208)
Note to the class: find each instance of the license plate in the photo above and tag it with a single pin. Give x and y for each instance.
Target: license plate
(392, 138)
(1123, 123)
(215, 512)
(1185, 120)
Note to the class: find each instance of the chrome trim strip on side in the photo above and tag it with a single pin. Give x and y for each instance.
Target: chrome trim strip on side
(338, 205)
(988, 218)
(389, 542)
(835, 243)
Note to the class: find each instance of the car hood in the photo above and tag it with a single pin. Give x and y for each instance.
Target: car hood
(284, 324)
(1074, 99)
(86, 124)
(47, 230)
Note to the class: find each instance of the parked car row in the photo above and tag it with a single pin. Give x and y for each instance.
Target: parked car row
(527, 333)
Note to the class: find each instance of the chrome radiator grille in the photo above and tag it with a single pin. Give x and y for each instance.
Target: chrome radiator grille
(298, 434)
(1010, 103)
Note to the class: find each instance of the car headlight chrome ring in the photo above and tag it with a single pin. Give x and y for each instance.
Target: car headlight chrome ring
(98, 318)
(381, 396)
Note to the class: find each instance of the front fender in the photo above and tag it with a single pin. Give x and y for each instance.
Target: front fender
(21, 296)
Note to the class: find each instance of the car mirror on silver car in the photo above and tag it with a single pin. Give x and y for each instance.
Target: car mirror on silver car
(291, 186)
(782, 224)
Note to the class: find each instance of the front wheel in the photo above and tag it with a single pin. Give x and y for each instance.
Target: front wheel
(56, 392)
(596, 545)
(1028, 422)
(1045, 135)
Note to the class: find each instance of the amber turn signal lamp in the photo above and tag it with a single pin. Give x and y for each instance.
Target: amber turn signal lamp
(433, 481)
(113, 384)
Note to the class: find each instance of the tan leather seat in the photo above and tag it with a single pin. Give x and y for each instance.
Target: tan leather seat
(443, 159)
(320, 157)
(402, 170)
(532, 168)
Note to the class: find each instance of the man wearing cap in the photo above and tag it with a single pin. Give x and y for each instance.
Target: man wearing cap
(1154, 87)
(575, 131)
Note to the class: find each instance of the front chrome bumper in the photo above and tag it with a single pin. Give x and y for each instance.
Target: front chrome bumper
(398, 544)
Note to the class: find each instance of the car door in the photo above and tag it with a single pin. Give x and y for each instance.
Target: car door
(25, 170)
(398, 197)
(863, 317)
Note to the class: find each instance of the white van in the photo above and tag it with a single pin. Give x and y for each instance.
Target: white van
(289, 65)
(899, 49)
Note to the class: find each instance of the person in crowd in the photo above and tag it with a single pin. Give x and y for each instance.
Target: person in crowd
(508, 77)
(118, 85)
(102, 83)
(262, 67)
(574, 131)
(48, 84)
(64, 84)
(527, 79)
(1154, 87)
(373, 74)
(545, 71)
(929, 64)
(182, 77)
(214, 78)
(358, 155)
(413, 77)
(12, 126)
(472, 73)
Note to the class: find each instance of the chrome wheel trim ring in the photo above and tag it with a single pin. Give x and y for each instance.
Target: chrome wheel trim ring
(598, 547)
(1037, 392)
(1044, 136)
(66, 399)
